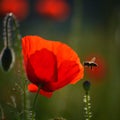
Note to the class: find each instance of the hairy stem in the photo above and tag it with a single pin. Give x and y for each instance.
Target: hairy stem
(33, 115)
(87, 108)
(7, 29)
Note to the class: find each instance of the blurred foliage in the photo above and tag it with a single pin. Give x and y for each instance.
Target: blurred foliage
(93, 27)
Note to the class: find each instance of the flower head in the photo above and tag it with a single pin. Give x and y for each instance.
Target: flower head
(50, 64)
(55, 9)
(18, 7)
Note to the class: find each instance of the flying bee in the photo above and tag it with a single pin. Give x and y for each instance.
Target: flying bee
(91, 63)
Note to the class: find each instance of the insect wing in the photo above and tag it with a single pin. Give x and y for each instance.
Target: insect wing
(93, 59)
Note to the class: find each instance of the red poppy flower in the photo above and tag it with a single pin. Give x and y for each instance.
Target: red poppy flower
(50, 64)
(18, 7)
(55, 9)
(96, 74)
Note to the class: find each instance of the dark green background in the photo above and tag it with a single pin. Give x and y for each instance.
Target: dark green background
(93, 27)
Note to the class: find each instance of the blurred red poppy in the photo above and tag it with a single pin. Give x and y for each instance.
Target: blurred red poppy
(18, 7)
(55, 9)
(50, 64)
(96, 74)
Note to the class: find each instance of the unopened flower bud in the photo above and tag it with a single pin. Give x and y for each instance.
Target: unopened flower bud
(86, 85)
(7, 58)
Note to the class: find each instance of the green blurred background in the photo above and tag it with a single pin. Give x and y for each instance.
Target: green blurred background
(93, 27)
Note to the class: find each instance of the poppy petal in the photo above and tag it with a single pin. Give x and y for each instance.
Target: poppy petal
(55, 9)
(30, 44)
(46, 94)
(34, 88)
(31, 74)
(65, 53)
(17, 7)
(67, 72)
(45, 65)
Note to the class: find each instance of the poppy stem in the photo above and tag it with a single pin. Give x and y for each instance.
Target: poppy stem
(87, 100)
(33, 115)
(2, 113)
(7, 29)
(36, 96)
(25, 100)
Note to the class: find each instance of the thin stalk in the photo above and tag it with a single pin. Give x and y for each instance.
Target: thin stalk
(24, 100)
(7, 32)
(35, 102)
(86, 100)
(87, 108)
(2, 113)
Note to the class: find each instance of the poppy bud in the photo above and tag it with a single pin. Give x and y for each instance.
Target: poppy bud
(86, 86)
(7, 58)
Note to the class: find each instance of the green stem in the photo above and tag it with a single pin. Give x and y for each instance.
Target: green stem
(24, 100)
(35, 102)
(7, 32)
(87, 107)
